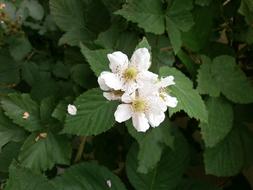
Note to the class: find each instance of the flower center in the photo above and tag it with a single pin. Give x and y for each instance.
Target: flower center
(139, 105)
(130, 73)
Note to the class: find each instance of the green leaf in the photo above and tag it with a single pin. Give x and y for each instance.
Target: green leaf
(143, 44)
(220, 121)
(188, 63)
(76, 35)
(83, 76)
(70, 17)
(174, 34)
(19, 47)
(178, 18)
(30, 72)
(9, 131)
(25, 179)
(223, 75)
(9, 69)
(198, 36)
(42, 153)
(167, 173)
(94, 114)
(15, 106)
(231, 80)
(148, 14)
(61, 70)
(118, 38)
(8, 154)
(47, 106)
(246, 9)
(162, 53)
(227, 157)
(188, 98)
(59, 112)
(97, 59)
(36, 10)
(88, 176)
(155, 140)
(205, 79)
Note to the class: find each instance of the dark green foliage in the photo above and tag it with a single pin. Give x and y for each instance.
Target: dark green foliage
(51, 53)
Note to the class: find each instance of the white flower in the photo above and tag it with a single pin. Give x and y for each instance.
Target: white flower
(162, 85)
(143, 107)
(72, 109)
(127, 75)
(109, 183)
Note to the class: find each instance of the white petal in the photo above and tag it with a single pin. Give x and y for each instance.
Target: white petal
(101, 82)
(72, 109)
(148, 89)
(155, 119)
(127, 98)
(140, 122)
(156, 104)
(130, 87)
(111, 80)
(111, 96)
(146, 77)
(123, 113)
(141, 59)
(167, 81)
(170, 101)
(118, 61)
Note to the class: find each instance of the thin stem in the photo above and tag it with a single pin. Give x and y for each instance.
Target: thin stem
(80, 149)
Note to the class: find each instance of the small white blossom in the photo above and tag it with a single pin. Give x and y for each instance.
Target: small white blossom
(163, 92)
(144, 96)
(72, 109)
(2, 5)
(143, 107)
(26, 115)
(109, 183)
(126, 75)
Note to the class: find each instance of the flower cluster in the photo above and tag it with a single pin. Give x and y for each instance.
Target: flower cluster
(143, 95)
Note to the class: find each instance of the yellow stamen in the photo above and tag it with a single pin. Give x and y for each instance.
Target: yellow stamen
(139, 105)
(130, 73)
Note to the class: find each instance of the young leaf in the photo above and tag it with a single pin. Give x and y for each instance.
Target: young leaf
(94, 114)
(22, 110)
(88, 176)
(220, 121)
(148, 14)
(168, 172)
(189, 99)
(41, 151)
(96, 58)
